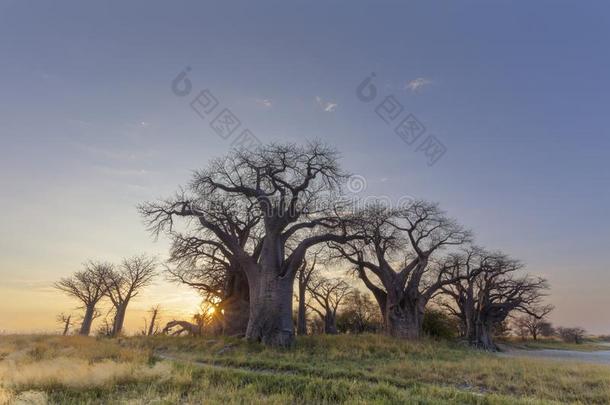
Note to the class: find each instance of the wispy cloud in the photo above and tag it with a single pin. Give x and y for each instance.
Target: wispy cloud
(265, 102)
(416, 85)
(327, 106)
(29, 284)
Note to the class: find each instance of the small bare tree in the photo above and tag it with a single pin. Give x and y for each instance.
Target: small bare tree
(65, 321)
(88, 287)
(304, 275)
(152, 327)
(124, 284)
(533, 322)
(105, 329)
(328, 295)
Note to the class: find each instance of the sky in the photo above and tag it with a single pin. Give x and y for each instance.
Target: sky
(515, 92)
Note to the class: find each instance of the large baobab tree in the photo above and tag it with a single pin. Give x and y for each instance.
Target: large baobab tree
(488, 288)
(89, 288)
(395, 260)
(125, 283)
(291, 187)
(328, 294)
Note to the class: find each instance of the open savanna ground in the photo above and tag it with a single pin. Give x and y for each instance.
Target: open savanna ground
(320, 369)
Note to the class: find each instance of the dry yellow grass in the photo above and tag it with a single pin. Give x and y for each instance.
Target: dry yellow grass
(78, 373)
(73, 362)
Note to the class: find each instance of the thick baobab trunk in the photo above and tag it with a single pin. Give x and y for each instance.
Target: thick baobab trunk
(483, 336)
(271, 311)
(302, 316)
(236, 307)
(330, 324)
(271, 297)
(468, 323)
(403, 320)
(401, 324)
(119, 319)
(85, 327)
(236, 312)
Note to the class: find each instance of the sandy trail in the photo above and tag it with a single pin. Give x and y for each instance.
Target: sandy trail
(595, 357)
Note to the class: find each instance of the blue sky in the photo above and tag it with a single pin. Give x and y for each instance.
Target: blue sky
(518, 93)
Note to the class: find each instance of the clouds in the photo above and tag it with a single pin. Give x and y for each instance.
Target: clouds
(327, 106)
(324, 104)
(416, 85)
(264, 102)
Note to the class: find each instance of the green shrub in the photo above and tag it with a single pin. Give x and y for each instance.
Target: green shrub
(438, 324)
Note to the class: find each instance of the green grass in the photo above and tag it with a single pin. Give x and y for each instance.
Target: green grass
(321, 369)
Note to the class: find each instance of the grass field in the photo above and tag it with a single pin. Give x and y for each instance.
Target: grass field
(321, 369)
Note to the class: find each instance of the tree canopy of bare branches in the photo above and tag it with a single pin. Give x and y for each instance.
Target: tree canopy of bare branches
(396, 260)
(534, 322)
(125, 283)
(489, 288)
(289, 190)
(327, 295)
(88, 287)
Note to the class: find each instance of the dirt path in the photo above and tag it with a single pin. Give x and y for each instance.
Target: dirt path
(596, 357)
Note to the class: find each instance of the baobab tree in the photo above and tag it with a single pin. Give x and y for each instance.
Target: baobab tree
(489, 287)
(89, 288)
(398, 252)
(292, 188)
(200, 256)
(328, 294)
(125, 283)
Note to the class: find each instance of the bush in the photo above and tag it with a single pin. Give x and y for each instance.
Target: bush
(438, 324)
(359, 315)
(571, 335)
